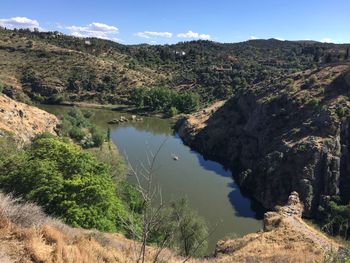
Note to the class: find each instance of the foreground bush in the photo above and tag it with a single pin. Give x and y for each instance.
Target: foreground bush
(66, 182)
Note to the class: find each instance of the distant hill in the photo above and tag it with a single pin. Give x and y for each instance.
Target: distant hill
(51, 67)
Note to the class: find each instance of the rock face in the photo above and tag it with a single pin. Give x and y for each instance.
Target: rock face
(278, 141)
(286, 238)
(24, 121)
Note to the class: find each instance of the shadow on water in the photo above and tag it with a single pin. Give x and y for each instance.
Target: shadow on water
(243, 204)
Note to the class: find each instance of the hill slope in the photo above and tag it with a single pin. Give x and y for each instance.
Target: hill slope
(283, 136)
(28, 235)
(24, 121)
(51, 67)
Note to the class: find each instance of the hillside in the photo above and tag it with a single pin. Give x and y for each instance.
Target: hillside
(51, 67)
(283, 136)
(28, 235)
(24, 122)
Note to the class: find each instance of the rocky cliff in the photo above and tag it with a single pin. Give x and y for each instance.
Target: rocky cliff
(290, 134)
(24, 121)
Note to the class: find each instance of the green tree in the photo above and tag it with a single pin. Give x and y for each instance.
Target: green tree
(66, 181)
(191, 230)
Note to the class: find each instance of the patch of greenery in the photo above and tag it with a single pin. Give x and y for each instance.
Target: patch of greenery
(188, 230)
(335, 216)
(314, 102)
(76, 125)
(162, 99)
(66, 181)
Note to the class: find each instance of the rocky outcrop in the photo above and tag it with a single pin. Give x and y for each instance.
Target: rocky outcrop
(286, 238)
(277, 141)
(24, 122)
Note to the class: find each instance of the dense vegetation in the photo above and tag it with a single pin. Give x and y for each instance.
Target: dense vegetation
(77, 125)
(68, 182)
(166, 100)
(335, 217)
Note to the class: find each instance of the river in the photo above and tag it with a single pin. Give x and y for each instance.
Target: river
(209, 187)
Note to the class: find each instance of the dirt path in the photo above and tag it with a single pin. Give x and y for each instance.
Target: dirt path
(317, 237)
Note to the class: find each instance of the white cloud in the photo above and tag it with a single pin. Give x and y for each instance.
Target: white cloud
(193, 35)
(152, 34)
(326, 40)
(253, 38)
(280, 39)
(19, 22)
(98, 30)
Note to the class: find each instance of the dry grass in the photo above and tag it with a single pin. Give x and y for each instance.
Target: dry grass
(4, 258)
(28, 235)
(22, 214)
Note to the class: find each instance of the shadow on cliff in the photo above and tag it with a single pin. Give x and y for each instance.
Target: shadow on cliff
(242, 204)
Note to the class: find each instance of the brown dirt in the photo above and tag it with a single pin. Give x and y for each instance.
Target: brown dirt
(24, 121)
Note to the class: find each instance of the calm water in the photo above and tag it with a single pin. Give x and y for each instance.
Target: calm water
(208, 186)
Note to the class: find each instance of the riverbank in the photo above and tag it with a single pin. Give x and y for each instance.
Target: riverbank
(130, 109)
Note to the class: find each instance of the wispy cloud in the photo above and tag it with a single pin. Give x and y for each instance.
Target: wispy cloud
(95, 29)
(19, 22)
(153, 34)
(327, 40)
(193, 35)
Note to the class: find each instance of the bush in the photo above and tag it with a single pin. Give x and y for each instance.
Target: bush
(98, 137)
(188, 230)
(66, 182)
(1, 87)
(314, 102)
(172, 112)
(191, 230)
(77, 125)
(76, 133)
(335, 214)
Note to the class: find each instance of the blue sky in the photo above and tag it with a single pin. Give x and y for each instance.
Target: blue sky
(156, 21)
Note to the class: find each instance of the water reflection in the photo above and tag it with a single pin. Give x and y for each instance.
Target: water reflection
(208, 186)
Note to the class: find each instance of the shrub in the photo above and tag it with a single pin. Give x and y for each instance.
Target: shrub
(191, 230)
(314, 102)
(180, 224)
(76, 133)
(77, 125)
(1, 87)
(172, 112)
(66, 182)
(98, 137)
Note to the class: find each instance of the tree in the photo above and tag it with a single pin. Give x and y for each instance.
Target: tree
(66, 181)
(175, 225)
(191, 230)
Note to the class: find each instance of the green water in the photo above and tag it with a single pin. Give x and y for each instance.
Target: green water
(208, 186)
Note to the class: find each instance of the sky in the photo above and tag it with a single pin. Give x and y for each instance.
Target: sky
(167, 22)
